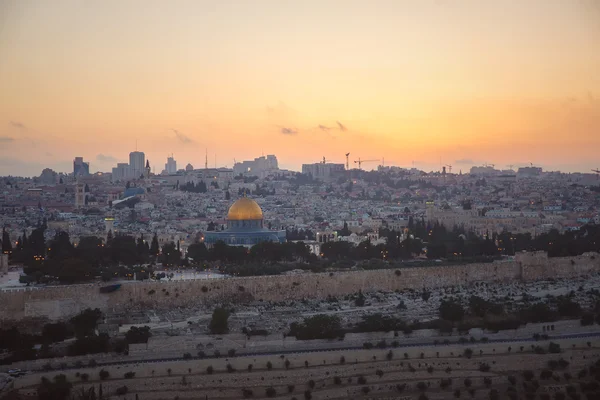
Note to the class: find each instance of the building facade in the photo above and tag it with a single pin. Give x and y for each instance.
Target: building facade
(80, 168)
(245, 227)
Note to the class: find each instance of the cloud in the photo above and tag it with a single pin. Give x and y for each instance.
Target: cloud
(18, 125)
(6, 139)
(288, 131)
(324, 128)
(465, 161)
(183, 138)
(106, 158)
(341, 126)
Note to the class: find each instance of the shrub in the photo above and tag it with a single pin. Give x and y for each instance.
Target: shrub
(247, 393)
(389, 355)
(92, 363)
(287, 364)
(269, 365)
(187, 356)
(311, 384)
(84, 377)
(361, 380)
(103, 374)
(342, 360)
(554, 348)
(365, 389)
(230, 368)
(250, 366)
(270, 392)
(129, 375)
(231, 352)
(210, 370)
(307, 395)
(122, 390)
(379, 373)
(468, 382)
(421, 386)
(290, 388)
(483, 367)
(337, 380)
(528, 375)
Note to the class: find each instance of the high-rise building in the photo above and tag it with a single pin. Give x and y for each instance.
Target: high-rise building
(260, 166)
(324, 171)
(137, 162)
(80, 168)
(171, 166)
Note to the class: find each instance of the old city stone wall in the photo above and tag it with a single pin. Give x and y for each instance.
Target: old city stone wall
(63, 301)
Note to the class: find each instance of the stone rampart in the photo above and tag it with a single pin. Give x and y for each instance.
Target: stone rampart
(63, 301)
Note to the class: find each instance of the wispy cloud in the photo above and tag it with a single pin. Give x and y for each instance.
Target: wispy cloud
(324, 128)
(106, 158)
(288, 131)
(6, 139)
(18, 125)
(341, 126)
(464, 161)
(183, 138)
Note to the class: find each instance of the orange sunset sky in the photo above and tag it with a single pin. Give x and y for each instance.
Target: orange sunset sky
(423, 81)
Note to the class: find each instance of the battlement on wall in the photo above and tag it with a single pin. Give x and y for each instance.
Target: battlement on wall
(196, 293)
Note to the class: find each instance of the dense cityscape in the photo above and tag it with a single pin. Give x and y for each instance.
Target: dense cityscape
(199, 226)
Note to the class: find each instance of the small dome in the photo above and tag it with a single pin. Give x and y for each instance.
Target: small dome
(244, 209)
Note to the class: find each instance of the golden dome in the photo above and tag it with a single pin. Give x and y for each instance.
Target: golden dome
(244, 209)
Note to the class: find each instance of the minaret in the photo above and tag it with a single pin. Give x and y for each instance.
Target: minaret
(147, 169)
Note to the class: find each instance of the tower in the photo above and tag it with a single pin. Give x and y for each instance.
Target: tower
(429, 211)
(79, 195)
(147, 172)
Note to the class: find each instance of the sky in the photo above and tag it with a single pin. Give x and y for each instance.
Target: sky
(419, 83)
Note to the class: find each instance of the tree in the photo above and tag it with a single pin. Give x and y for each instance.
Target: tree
(57, 389)
(85, 323)
(6, 244)
(154, 247)
(320, 326)
(138, 335)
(219, 321)
(170, 254)
(451, 310)
(197, 251)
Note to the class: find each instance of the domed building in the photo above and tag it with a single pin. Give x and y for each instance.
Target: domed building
(245, 227)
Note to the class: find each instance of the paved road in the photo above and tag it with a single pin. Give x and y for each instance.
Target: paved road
(347, 348)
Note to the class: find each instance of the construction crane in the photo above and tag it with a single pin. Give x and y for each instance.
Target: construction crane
(347, 162)
(597, 171)
(359, 162)
(449, 168)
(510, 166)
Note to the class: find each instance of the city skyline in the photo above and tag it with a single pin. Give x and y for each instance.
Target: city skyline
(433, 83)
